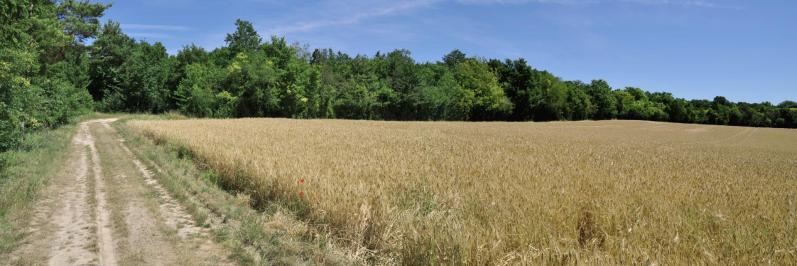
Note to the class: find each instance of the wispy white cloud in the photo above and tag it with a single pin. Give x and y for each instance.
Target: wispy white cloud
(150, 35)
(152, 31)
(156, 27)
(340, 13)
(355, 16)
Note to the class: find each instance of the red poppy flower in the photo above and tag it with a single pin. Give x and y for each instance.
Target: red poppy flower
(300, 182)
(301, 194)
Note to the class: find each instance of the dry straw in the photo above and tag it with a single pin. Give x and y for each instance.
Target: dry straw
(614, 192)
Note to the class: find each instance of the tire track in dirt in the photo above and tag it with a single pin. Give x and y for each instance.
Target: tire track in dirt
(71, 223)
(175, 215)
(70, 243)
(105, 242)
(97, 212)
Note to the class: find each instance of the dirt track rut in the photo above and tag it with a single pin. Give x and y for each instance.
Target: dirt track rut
(106, 208)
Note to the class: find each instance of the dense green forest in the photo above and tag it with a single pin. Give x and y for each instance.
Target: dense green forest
(49, 74)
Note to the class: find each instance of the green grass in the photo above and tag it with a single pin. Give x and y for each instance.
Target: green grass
(24, 172)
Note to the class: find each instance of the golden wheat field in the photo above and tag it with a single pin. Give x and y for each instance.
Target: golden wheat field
(606, 192)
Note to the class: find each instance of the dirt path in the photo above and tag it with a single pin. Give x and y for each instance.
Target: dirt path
(106, 208)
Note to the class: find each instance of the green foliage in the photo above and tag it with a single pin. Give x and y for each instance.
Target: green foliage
(547, 96)
(788, 104)
(481, 90)
(130, 76)
(80, 18)
(108, 53)
(579, 105)
(359, 100)
(396, 71)
(224, 105)
(635, 103)
(188, 55)
(43, 70)
(254, 80)
(454, 58)
(515, 78)
(244, 39)
(602, 97)
(442, 97)
(14, 87)
(196, 94)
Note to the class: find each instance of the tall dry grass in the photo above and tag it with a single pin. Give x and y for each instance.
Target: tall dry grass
(614, 192)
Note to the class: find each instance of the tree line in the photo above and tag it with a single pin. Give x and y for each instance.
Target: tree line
(48, 75)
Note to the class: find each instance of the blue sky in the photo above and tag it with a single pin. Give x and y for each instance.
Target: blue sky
(744, 50)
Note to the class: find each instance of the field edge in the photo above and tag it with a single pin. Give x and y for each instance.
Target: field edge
(265, 235)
